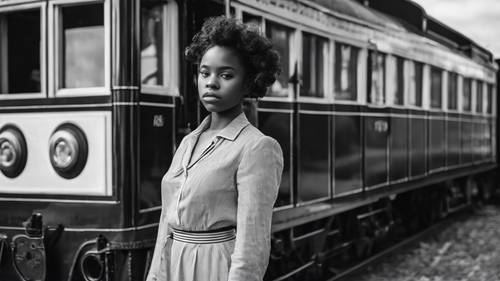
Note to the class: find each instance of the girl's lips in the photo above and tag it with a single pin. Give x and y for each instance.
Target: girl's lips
(210, 97)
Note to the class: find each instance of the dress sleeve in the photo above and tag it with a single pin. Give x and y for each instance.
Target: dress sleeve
(258, 178)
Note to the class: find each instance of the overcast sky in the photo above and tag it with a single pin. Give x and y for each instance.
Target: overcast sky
(477, 19)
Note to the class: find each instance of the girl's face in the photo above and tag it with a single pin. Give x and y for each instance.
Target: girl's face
(221, 79)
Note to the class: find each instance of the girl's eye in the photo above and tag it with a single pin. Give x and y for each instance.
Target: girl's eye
(226, 76)
(204, 74)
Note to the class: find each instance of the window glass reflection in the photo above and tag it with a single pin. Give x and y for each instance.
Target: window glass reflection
(376, 78)
(314, 53)
(20, 52)
(415, 84)
(346, 72)
(436, 87)
(82, 46)
(479, 97)
(466, 94)
(452, 91)
(280, 36)
(151, 44)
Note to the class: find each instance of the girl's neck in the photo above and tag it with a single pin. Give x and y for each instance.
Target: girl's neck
(219, 120)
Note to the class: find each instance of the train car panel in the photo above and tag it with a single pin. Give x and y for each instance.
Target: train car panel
(466, 140)
(157, 148)
(399, 147)
(314, 158)
(53, 148)
(437, 141)
(376, 133)
(418, 144)
(452, 140)
(348, 153)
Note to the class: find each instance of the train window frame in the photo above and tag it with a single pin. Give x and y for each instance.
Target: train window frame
(479, 97)
(432, 69)
(488, 108)
(359, 70)
(449, 76)
(395, 80)
(55, 29)
(418, 91)
(171, 53)
(369, 77)
(462, 93)
(41, 6)
(294, 51)
(326, 68)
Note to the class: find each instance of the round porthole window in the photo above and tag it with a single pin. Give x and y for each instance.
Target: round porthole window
(68, 150)
(13, 151)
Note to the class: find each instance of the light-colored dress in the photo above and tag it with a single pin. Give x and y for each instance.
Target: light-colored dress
(234, 182)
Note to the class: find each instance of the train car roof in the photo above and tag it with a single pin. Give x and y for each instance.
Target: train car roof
(406, 15)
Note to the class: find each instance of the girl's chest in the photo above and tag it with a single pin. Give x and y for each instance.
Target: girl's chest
(214, 172)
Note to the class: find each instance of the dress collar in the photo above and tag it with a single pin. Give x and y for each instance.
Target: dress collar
(230, 132)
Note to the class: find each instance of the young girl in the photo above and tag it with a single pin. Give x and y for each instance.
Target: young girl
(219, 191)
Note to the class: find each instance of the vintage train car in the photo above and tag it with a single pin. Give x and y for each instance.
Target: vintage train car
(379, 106)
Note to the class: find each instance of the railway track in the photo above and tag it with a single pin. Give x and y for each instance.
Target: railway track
(350, 272)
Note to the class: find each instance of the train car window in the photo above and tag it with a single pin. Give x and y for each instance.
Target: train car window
(159, 47)
(314, 57)
(436, 87)
(489, 99)
(399, 82)
(479, 97)
(346, 72)
(452, 91)
(281, 36)
(252, 19)
(376, 78)
(415, 84)
(20, 52)
(81, 49)
(466, 95)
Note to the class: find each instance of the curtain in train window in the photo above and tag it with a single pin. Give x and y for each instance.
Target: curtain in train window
(466, 95)
(376, 78)
(399, 82)
(159, 45)
(452, 91)
(346, 72)
(415, 84)
(82, 46)
(489, 99)
(314, 55)
(20, 52)
(281, 37)
(479, 97)
(436, 87)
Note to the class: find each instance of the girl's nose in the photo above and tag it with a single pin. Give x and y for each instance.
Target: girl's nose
(212, 82)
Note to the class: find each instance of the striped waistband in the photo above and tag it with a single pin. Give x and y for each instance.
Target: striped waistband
(204, 237)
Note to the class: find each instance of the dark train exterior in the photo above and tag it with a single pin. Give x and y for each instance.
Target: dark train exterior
(379, 106)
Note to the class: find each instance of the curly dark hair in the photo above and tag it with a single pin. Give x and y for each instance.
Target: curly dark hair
(260, 59)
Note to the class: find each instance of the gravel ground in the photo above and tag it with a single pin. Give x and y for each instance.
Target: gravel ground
(469, 249)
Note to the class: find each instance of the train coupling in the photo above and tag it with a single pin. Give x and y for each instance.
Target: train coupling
(28, 250)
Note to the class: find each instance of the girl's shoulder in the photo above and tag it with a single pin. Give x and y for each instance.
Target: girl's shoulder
(254, 139)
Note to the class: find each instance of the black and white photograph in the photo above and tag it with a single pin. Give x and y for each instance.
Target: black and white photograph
(249, 140)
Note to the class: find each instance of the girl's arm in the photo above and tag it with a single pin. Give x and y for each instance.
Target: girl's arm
(258, 178)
